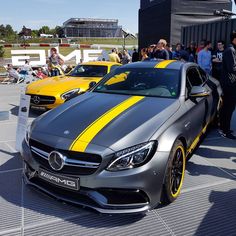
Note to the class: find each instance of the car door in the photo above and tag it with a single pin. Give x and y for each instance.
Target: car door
(198, 108)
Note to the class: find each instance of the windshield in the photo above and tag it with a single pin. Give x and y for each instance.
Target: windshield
(141, 81)
(89, 71)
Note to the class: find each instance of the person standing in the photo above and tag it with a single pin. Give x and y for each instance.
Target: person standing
(135, 56)
(160, 51)
(192, 52)
(176, 54)
(169, 50)
(126, 58)
(228, 83)
(144, 55)
(55, 63)
(204, 58)
(217, 60)
(113, 56)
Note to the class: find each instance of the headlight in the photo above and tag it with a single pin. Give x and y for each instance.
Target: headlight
(132, 157)
(67, 94)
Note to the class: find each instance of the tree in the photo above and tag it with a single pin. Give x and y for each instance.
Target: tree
(44, 30)
(59, 31)
(7, 32)
(2, 31)
(35, 33)
(1, 51)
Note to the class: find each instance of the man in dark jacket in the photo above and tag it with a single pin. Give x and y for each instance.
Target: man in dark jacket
(228, 83)
(135, 56)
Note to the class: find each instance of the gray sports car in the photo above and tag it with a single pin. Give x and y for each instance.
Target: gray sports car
(122, 147)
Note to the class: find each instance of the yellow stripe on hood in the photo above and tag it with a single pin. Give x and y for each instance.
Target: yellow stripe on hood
(164, 64)
(83, 140)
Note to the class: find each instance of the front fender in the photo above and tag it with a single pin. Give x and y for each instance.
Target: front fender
(167, 139)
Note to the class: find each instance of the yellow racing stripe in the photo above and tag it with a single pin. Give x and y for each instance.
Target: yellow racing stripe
(83, 140)
(164, 64)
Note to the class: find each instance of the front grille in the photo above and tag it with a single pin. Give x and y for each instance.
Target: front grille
(76, 163)
(41, 100)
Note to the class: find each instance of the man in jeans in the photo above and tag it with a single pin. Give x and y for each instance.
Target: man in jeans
(228, 83)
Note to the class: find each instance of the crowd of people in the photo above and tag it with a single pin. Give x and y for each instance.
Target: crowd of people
(208, 59)
(220, 63)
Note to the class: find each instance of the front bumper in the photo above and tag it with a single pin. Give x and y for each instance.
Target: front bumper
(47, 102)
(131, 191)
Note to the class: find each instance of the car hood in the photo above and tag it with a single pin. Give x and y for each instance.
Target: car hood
(136, 124)
(59, 84)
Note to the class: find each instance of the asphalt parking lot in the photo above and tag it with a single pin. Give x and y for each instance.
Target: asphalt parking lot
(206, 206)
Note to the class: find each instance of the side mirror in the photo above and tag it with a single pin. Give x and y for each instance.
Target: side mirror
(198, 91)
(92, 84)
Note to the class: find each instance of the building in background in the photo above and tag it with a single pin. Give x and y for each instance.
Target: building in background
(25, 33)
(214, 31)
(88, 27)
(165, 18)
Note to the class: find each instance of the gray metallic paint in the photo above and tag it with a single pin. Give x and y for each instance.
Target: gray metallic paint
(164, 120)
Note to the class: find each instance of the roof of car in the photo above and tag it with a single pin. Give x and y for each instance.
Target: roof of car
(168, 64)
(101, 63)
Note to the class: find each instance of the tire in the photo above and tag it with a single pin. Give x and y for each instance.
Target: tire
(174, 173)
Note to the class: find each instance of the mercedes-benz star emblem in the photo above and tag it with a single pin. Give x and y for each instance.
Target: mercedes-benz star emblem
(56, 160)
(36, 99)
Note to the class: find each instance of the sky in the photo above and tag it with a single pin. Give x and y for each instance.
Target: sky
(34, 14)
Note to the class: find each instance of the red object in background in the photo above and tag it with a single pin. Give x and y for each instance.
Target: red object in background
(85, 46)
(7, 45)
(44, 45)
(24, 45)
(64, 45)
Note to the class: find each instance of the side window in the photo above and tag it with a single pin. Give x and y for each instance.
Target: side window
(203, 74)
(114, 67)
(194, 77)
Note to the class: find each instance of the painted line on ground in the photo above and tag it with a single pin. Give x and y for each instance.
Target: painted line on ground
(45, 223)
(220, 148)
(208, 162)
(165, 224)
(10, 231)
(8, 141)
(187, 190)
(8, 123)
(10, 147)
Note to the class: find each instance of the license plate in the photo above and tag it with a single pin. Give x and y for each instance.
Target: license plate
(38, 108)
(60, 180)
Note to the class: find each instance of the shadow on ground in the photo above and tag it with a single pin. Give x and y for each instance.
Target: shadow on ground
(221, 217)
